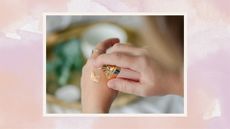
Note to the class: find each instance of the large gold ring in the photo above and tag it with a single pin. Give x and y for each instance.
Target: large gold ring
(111, 71)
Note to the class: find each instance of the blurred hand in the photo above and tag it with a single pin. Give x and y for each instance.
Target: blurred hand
(96, 97)
(140, 74)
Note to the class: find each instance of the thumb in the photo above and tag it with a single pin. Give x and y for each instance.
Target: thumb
(126, 86)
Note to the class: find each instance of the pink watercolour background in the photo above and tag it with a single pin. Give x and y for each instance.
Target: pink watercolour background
(208, 38)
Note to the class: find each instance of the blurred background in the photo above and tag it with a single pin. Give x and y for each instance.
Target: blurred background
(70, 40)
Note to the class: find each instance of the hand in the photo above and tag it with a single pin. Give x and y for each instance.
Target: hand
(96, 97)
(140, 74)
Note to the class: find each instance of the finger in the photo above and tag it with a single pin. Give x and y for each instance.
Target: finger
(129, 74)
(125, 86)
(122, 60)
(125, 48)
(102, 47)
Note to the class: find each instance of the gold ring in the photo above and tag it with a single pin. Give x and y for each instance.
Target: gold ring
(111, 71)
(99, 51)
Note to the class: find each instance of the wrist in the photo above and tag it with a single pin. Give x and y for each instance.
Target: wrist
(94, 107)
(98, 103)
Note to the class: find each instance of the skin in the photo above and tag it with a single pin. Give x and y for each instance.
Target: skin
(96, 97)
(142, 75)
(139, 75)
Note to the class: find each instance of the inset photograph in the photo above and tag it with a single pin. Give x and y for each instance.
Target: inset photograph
(114, 64)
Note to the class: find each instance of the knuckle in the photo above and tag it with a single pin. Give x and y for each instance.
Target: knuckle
(117, 55)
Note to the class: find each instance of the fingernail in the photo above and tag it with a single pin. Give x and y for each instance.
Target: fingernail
(116, 44)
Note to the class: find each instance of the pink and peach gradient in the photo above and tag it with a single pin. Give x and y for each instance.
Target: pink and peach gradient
(208, 37)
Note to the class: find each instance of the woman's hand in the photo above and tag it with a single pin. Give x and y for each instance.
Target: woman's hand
(96, 97)
(140, 74)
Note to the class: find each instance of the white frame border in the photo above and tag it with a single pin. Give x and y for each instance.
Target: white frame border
(45, 114)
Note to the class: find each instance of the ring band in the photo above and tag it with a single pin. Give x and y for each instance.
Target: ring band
(99, 51)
